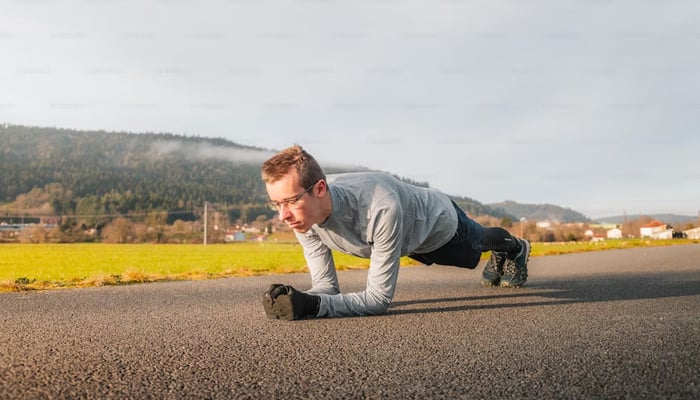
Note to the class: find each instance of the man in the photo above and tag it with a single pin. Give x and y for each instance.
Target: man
(375, 216)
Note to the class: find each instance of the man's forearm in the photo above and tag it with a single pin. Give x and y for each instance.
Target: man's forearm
(352, 304)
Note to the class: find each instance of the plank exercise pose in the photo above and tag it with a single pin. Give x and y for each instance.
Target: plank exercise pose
(376, 216)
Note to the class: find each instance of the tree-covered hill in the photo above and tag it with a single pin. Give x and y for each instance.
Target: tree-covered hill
(540, 212)
(51, 171)
(96, 172)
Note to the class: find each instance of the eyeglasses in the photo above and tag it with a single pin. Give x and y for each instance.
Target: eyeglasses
(291, 201)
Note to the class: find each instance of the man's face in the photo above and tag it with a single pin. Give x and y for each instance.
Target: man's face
(303, 213)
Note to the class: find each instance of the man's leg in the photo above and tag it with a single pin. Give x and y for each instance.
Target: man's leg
(507, 265)
(500, 240)
(463, 250)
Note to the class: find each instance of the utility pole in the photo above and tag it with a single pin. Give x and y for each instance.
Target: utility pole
(205, 223)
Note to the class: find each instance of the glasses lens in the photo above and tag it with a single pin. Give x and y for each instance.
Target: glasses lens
(290, 203)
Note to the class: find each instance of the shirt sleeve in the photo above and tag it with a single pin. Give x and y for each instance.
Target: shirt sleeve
(319, 260)
(384, 234)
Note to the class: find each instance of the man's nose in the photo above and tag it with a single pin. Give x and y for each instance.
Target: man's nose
(284, 212)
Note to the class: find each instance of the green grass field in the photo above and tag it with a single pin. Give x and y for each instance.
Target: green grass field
(50, 266)
(44, 266)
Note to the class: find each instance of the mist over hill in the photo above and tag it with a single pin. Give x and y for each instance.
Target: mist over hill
(93, 173)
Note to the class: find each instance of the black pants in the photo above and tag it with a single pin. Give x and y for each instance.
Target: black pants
(463, 250)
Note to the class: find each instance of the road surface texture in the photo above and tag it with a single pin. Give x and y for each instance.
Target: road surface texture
(612, 324)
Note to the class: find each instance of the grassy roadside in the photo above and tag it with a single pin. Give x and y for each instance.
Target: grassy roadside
(53, 266)
(548, 249)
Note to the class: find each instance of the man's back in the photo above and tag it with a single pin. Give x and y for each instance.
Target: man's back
(363, 203)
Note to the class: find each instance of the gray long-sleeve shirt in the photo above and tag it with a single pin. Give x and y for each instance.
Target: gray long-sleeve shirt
(374, 216)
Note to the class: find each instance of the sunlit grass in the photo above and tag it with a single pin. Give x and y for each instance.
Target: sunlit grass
(546, 249)
(43, 266)
(49, 266)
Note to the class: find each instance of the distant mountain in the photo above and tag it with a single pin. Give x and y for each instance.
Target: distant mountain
(671, 219)
(539, 212)
(474, 208)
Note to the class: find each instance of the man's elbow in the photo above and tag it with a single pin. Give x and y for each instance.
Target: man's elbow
(378, 303)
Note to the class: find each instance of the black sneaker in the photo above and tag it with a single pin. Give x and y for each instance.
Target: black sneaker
(515, 269)
(493, 270)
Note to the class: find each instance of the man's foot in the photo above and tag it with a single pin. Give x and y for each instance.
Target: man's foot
(515, 268)
(493, 270)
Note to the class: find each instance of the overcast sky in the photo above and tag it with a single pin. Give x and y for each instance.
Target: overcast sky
(587, 104)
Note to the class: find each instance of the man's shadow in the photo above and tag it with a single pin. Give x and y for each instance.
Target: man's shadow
(564, 291)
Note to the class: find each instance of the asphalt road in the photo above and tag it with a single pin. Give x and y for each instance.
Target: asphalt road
(613, 324)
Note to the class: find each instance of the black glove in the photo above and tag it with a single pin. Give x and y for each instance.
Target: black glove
(285, 302)
(268, 300)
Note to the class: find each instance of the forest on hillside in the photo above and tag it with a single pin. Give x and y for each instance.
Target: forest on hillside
(50, 171)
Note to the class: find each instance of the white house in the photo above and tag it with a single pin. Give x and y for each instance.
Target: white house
(656, 230)
(666, 234)
(692, 233)
(615, 233)
(544, 224)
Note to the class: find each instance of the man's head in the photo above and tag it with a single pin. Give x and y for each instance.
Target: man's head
(296, 158)
(297, 188)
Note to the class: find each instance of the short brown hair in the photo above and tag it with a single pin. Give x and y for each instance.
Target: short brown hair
(295, 157)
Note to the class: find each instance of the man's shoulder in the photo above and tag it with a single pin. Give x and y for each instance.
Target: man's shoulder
(352, 192)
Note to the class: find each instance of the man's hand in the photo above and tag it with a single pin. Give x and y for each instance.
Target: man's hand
(285, 302)
(269, 299)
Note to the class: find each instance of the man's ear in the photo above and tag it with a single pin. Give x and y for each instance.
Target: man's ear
(321, 188)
